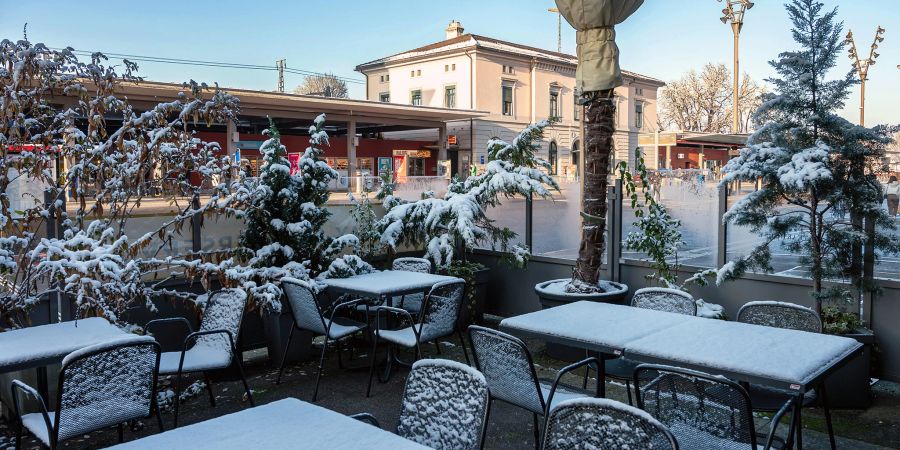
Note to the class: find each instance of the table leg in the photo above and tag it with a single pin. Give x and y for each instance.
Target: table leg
(601, 376)
(824, 397)
(43, 385)
(798, 410)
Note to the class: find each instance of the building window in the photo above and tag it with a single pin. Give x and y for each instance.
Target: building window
(507, 69)
(450, 97)
(507, 100)
(446, 67)
(387, 77)
(452, 66)
(554, 157)
(554, 104)
(639, 91)
(382, 78)
(577, 112)
(419, 72)
(639, 115)
(384, 97)
(415, 98)
(412, 73)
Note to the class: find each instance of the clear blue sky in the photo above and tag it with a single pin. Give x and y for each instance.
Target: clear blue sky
(663, 39)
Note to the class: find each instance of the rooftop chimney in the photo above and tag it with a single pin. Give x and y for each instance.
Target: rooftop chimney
(455, 29)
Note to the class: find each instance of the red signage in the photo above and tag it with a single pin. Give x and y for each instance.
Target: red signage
(451, 140)
(29, 148)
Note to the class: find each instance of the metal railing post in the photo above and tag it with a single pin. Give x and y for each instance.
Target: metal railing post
(529, 222)
(196, 224)
(614, 231)
(722, 227)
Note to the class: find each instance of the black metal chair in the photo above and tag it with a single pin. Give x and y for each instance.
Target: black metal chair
(703, 411)
(509, 370)
(439, 318)
(213, 347)
(792, 317)
(412, 302)
(604, 424)
(658, 299)
(444, 405)
(99, 386)
(308, 315)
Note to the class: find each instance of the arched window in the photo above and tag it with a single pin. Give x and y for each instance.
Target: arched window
(576, 155)
(554, 157)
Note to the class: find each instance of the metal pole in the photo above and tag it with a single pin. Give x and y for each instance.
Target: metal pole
(736, 121)
(862, 103)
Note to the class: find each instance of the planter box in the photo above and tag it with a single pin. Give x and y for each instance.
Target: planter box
(276, 329)
(551, 298)
(848, 387)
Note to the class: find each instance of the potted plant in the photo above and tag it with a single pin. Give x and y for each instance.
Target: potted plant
(596, 79)
(450, 226)
(815, 169)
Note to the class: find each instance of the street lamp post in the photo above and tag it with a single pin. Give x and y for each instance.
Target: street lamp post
(558, 28)
(734, 13)
(862, 67)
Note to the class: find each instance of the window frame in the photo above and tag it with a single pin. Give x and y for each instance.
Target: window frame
(512, 99)
(447, 100)
(639, 115)
(413, 96)
(553, 103)
(384, 97)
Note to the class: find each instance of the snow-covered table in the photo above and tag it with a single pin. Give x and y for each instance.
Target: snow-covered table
(39, 346)
(785, 359)
(286, 423)
(385, 283)
(600, 327)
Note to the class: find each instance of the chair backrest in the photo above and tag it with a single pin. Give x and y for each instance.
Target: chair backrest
(663, 299)
(224, 311)
(604, 424)
(780, 315)
(304, 305)
(444, 405)
(701, 411)
(412, 265)
(106, 384)
(508, 368)
(440, 311)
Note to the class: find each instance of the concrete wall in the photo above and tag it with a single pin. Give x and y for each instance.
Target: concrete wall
(511, 292)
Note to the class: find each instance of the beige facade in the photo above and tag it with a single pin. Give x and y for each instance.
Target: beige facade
(515, 84)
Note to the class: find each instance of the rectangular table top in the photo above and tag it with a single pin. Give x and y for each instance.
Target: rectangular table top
(47, 344)
(286, 423)
(595, 326)
(387, 282)
(776, 357)
(779, 357)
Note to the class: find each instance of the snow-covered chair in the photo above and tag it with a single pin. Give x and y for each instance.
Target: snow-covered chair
(780, 315)
(604, 424)
(213, 347)
(509, 370)
(789, 316)
(309, 316)
(664, 299)
(701, 410)
(658, 299)
(444, 405)
(412, 302)
(99, 386)
(439, 318)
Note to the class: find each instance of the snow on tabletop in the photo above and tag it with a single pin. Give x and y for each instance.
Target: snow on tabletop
(282, 424)
(388, 281)
(772, 353)
(53, 341)
(559, 287)
(593, 323)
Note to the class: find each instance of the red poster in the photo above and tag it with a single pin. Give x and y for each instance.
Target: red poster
(399, 168)
(294, 159)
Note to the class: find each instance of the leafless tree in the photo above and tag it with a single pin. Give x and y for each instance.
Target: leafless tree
(703, 101)
(325, 85)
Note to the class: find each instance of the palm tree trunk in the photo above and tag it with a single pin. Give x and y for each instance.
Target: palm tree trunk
(599, 127)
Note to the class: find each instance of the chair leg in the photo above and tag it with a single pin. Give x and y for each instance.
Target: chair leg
(537, 431)
(321, 364)
(240, 363)
(462, 341)
(372, 364)
(121, 430)
(19, 430)
(437, 347)
(340, 352)
(587, 371)
(177, 398)
(158, 417)
(285, 354)
(209, 390)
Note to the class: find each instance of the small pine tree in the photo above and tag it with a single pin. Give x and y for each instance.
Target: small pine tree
(814, 165)
(284, 222)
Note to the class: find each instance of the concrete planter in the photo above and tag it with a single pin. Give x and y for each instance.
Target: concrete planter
(848, 387)
(480, 284)
(275, 330)
(551, 298)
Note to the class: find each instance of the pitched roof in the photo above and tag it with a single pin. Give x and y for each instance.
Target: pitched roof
(475, 40)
